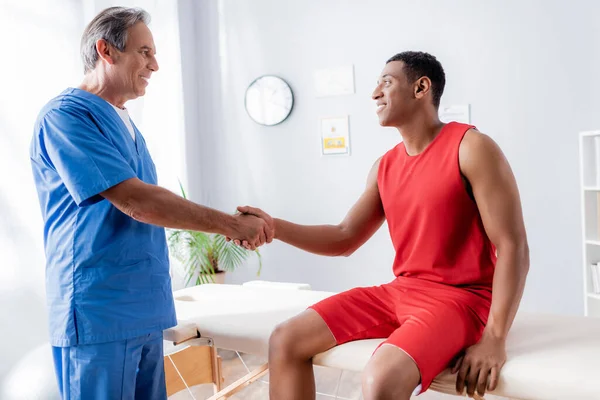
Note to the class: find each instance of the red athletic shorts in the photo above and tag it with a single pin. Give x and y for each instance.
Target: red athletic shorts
(431, 322)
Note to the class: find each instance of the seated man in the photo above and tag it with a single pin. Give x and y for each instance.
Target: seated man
(455, 219)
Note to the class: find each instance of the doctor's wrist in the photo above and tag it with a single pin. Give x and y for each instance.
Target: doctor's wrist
(231, 227)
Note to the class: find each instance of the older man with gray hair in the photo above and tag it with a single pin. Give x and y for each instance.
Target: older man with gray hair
(107, 273)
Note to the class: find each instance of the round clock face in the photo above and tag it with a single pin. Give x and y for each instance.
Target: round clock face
(269, 100)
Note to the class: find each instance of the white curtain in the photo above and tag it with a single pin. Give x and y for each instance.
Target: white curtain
(39, 59)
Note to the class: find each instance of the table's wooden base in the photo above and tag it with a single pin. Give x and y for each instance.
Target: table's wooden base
(241, 383)
(192, 366)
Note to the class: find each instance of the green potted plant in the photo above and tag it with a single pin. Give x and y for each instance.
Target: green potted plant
(206, 256)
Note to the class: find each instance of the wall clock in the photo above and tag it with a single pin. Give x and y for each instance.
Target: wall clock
(269, 100)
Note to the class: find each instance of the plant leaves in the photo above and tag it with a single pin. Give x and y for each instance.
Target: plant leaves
(198, 250)
(230, 255)
(182, 189)
(259, 262)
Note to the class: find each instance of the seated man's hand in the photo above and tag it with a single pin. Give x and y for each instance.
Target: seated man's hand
(480, 361)
(269, 229)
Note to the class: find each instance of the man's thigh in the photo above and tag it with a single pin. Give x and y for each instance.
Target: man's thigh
(435, 334)
(359, 313)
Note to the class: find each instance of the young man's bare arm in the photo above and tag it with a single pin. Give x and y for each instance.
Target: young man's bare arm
(152, 204)
(361, 222)
(495, 191)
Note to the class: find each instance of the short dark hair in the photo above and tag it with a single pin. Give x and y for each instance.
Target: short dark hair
(418, 64)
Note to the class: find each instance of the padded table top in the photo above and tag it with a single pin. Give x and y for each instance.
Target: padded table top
(549, 356)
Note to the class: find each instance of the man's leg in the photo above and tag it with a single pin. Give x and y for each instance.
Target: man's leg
(291, 348)
(390, 374)
(98, 371)
(61, 369)
(359, 313)
(150, 382)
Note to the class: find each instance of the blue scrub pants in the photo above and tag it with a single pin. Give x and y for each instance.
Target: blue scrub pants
(127, 369)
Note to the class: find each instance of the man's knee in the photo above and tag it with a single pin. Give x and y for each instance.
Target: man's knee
(300, 338)
(378, 384)
(389, 378)
(282, 340)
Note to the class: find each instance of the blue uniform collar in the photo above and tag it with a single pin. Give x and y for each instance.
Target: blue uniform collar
(106, 107)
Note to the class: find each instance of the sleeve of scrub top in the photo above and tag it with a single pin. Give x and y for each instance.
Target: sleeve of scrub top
(85, 159)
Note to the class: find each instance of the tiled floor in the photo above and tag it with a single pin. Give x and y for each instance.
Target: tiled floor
(329, 381)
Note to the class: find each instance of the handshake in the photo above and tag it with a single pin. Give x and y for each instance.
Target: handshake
(252, 228)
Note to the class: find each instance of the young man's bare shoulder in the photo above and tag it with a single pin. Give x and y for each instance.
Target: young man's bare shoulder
(478, 150)
(475, 138)
(476, 143)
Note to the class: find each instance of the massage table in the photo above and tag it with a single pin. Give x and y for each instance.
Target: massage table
(548, 356)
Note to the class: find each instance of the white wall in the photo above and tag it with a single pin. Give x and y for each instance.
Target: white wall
(528, 69)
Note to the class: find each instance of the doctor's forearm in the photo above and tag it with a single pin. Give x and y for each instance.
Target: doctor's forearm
(325, 240)
(158, 206)
(509, 282)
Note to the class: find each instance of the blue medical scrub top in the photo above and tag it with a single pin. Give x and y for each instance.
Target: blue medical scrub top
(107, 275)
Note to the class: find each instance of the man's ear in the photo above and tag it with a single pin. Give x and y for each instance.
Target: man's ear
(422, 87)
(105, 51)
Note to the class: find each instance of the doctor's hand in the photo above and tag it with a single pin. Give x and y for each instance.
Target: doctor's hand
(257, 212)
(251, 231)
(480, 361)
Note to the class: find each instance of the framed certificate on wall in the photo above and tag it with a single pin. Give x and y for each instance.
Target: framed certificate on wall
(335, 137)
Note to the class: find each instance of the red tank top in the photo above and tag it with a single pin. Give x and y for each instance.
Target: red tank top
(435, 225)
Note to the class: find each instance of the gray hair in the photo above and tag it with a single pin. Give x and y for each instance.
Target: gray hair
(111, 25)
